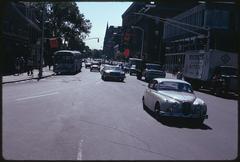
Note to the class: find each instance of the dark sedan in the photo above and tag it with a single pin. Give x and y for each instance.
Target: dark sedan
(113, 72)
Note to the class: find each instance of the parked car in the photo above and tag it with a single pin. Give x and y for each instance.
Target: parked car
(126, 68)
(95, 66)
(132, 70)
(174, 98)
(112, 72)
(87, 64)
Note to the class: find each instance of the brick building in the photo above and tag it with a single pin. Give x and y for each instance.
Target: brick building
(20, 34)
(111, 40)
(153, 48)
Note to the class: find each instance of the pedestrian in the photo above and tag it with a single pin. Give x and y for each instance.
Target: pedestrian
(22, 65)
(17, 65)
(30, 67)
(179, 75)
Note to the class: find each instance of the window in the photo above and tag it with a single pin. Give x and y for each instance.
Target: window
(218, 19)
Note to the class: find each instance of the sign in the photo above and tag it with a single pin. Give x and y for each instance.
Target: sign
(53, 43)
(126, 52)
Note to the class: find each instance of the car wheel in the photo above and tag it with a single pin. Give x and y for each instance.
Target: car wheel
(103, 78)
(139, 77)
(157, 110)
(144, 106)
(146, 79)
(130, 73)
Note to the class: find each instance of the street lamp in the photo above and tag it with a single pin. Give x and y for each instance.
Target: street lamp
(142, 30)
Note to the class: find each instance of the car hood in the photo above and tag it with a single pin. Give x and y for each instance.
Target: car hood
(95, 66)
(179, 96)
(152, 70)
(115, 71)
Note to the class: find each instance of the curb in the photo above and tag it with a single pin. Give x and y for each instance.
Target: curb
(15, 81)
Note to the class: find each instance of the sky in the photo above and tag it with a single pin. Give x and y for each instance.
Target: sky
(99, 14)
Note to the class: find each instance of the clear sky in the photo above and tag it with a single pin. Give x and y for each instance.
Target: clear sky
(99, 13)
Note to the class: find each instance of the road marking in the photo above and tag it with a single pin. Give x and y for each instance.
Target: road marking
(79, 155)
(43, 95)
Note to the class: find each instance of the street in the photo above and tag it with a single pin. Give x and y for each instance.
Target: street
(81, 117)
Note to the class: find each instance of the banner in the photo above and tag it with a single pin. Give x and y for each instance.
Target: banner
(53, 43)
(126, 52)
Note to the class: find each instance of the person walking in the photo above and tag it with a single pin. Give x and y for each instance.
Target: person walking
(17, 66)
(30, 67)
(22, 65)
(179, 75)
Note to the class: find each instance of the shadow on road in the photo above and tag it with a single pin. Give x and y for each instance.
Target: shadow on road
(112, 80)
(178, 122)
(231, 96)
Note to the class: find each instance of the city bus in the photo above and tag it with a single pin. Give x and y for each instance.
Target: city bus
(67, 61)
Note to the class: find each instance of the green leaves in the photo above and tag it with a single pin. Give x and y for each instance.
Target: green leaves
(65, 21)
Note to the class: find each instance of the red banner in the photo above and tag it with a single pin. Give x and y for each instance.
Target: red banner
(126, 52)
(53, 43)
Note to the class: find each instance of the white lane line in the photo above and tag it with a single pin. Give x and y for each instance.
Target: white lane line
(43, 95)
(79, 155)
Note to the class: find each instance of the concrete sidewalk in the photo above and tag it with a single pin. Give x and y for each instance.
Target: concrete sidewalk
(23, 77)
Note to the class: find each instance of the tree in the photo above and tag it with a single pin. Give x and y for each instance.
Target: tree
(64, 20)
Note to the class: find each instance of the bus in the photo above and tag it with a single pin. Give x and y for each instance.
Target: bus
(67, 61)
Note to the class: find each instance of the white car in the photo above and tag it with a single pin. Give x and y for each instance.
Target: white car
(174, 98)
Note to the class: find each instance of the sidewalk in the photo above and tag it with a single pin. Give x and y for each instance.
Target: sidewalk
(23, 77)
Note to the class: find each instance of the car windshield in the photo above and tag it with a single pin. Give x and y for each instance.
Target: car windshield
(175, 86)
(153, 66)
(112, 68)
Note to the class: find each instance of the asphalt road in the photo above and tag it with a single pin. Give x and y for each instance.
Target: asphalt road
(81, 117)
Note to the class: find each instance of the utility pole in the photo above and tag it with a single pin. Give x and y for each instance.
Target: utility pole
(42, 48)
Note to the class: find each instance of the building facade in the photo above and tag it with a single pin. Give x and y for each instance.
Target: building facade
(20, 34)
(153, 47)
(112, 40)
(211, 26)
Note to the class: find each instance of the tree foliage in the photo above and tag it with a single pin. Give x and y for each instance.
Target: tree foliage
(64, 20)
